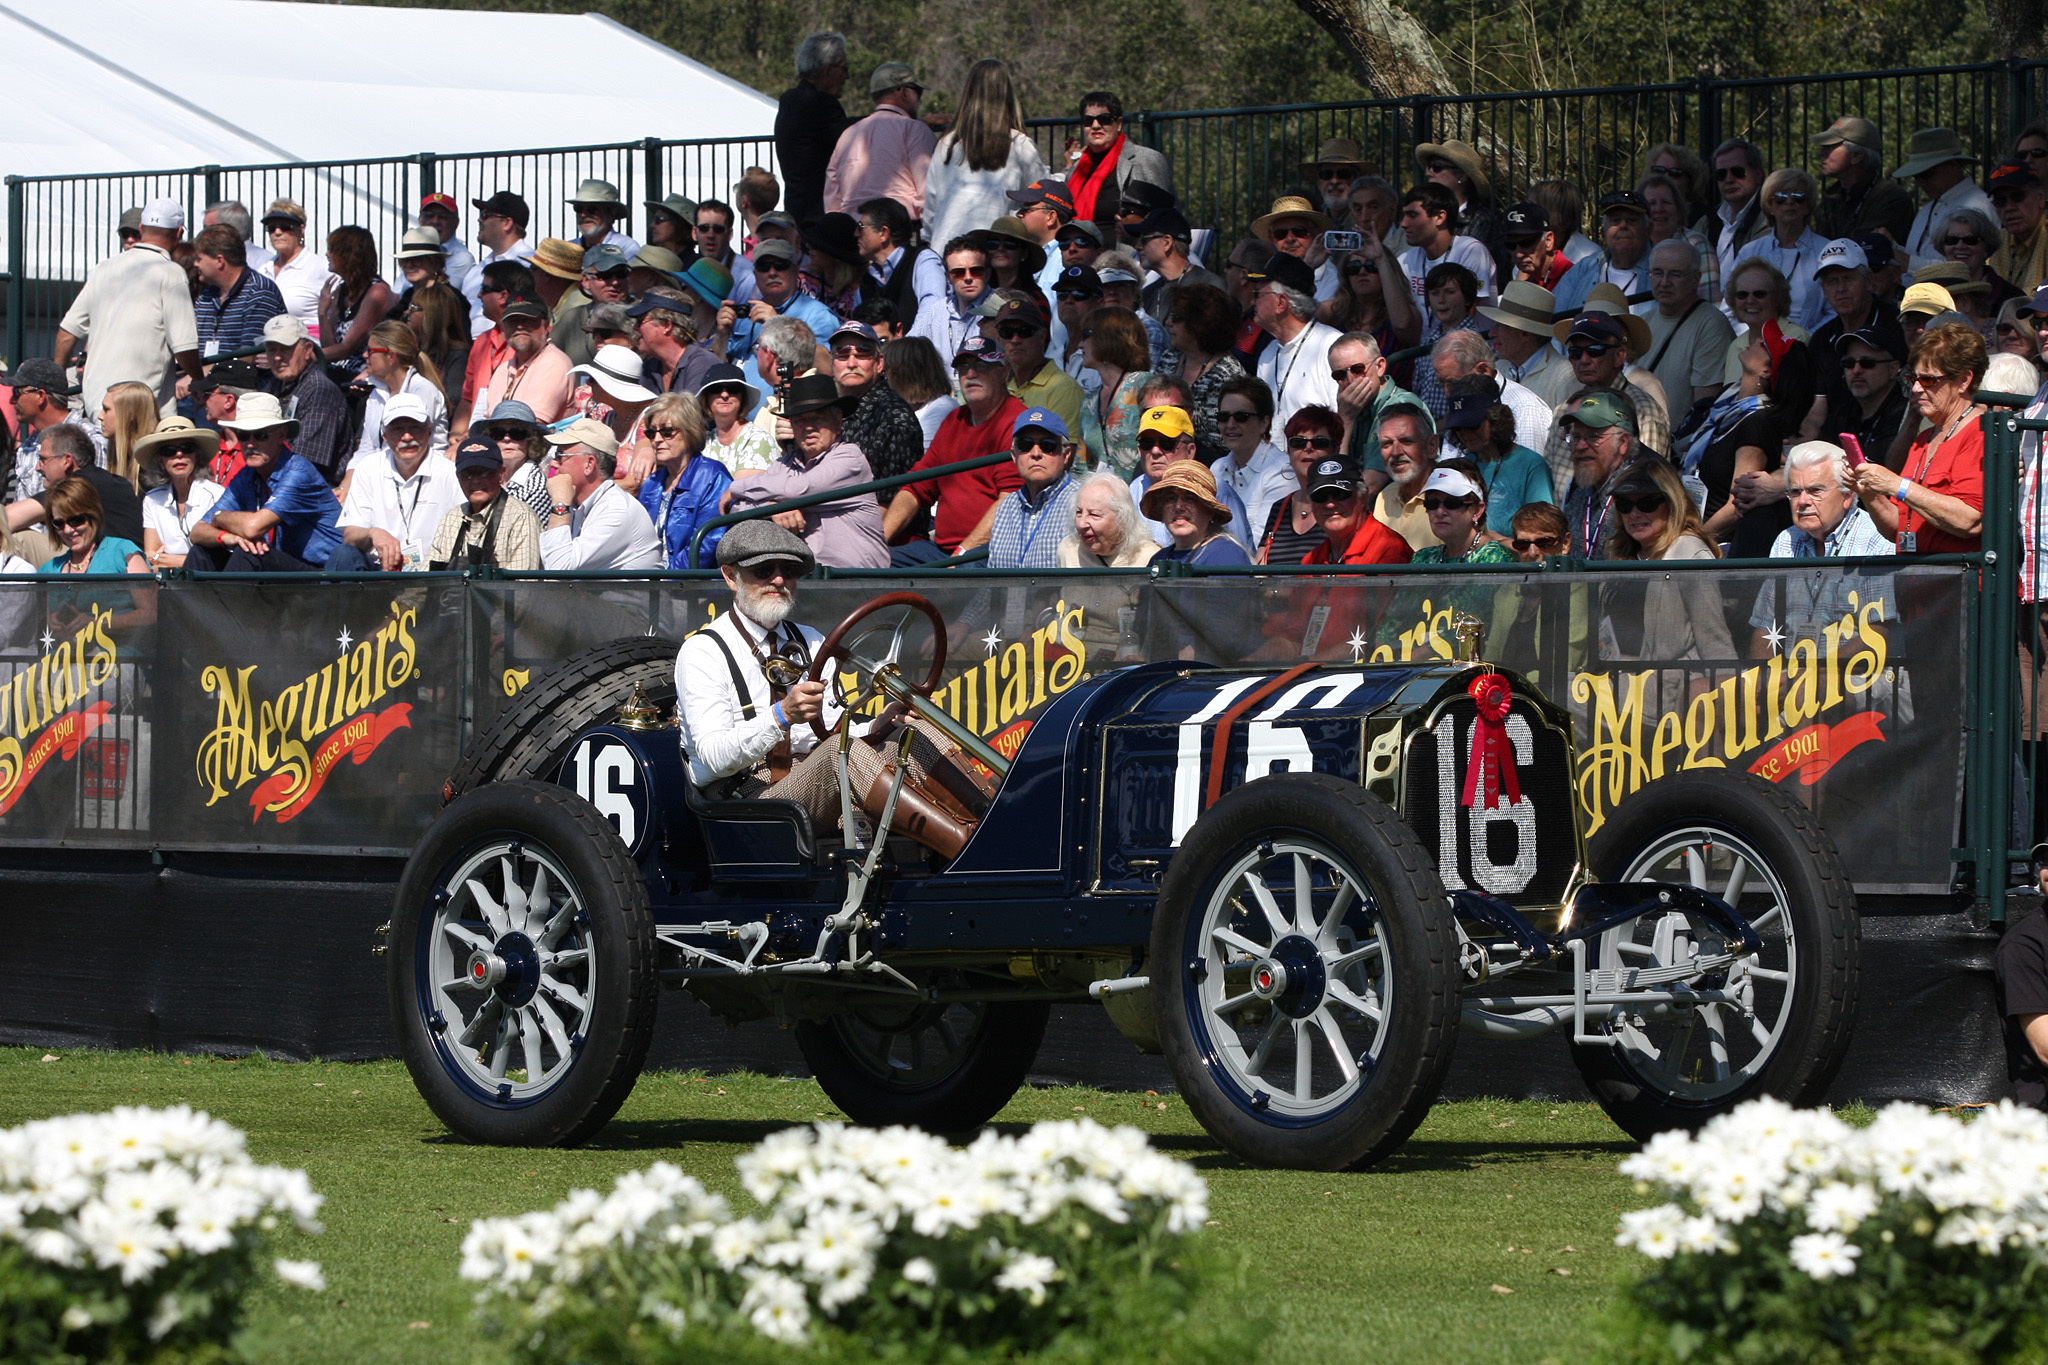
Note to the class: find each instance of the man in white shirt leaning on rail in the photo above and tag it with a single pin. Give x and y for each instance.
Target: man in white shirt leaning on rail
(596, 524)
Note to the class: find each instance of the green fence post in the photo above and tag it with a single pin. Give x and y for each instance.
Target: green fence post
(17, 270)
(651, 152)
(1995, 663)
(210, 177)
(1710, 116)
(428, 162)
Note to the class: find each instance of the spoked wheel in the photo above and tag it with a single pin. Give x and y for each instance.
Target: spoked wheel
(522, 967)
(943, 1066)
(1302, 964)
(1786, 1025)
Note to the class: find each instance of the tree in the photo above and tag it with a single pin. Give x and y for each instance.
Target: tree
(1393, 54)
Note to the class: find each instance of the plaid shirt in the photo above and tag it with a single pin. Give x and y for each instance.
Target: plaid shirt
(235, 323)
(1816, 598)
(1024, 536)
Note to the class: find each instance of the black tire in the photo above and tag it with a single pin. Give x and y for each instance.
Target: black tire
(1815, 935)
(1396, 946)
(531, 737)
(606, 1015)
(943, 1068)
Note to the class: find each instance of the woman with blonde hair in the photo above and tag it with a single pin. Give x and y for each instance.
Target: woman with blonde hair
(127, 414)
(1665, 616)
(1792, 247)
(985, 154)
(683, 491)
(394, 363)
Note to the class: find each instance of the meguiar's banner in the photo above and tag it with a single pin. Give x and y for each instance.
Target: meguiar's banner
(295, 714)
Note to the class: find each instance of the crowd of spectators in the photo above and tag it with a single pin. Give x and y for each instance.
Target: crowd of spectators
(1397, 365)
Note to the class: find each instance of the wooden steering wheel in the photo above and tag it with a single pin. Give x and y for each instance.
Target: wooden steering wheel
(836, 648)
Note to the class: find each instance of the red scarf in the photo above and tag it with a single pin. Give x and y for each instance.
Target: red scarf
(1087, 181)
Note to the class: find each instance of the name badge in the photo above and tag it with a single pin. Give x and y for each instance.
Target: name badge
(1313, 636)
(1909, 544)
(212, 349)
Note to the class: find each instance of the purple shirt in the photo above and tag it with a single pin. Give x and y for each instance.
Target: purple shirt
(846, 534)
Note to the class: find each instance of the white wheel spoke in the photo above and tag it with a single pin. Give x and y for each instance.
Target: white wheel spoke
(1759, 1032)
(1774, 915)
(1345, 961)
(1234, 1003)
(1304, 1063)
(1304, 897)
(1738, 878)
(529, 1045)
(494, 914)
(557, 1032)
(480, 1027)
(1717, 1040)
(1350, 999)
(1696, 869)
(461, 934)
(515, 895)
(501, 1046)
(1340, 905)
(565, 993)
(1268, 907)
(574, 957)
(1340, 1047)
(1260, 1055)
(1769, 973)
(1237, 941)
(458, 983)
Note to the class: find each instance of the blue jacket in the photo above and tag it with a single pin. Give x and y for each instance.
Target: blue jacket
(693, 502)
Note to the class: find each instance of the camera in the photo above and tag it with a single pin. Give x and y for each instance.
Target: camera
(1340, 240)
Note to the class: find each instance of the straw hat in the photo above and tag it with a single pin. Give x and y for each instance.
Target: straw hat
(173, 430)
(1186, 476)
(1461, 155)
(1339, 151)
(563, 260)
(1290, 206)
(1608, 299)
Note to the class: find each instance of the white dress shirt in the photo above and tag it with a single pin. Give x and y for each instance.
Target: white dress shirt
(300, 281)
(410, 510)
(1532, 412)
(161, 516)
(1298, 373)
(1262, 481)
(607, 530)
(718, 737)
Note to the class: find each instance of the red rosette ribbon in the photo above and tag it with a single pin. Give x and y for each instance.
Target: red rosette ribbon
(1490, 779)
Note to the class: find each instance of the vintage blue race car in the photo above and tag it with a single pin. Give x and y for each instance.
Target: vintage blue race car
(1298, 883)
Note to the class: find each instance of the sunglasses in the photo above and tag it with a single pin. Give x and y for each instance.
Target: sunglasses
(1752, 293)
(1327, 496)
(1049, 445)
(1538, 543)
(1866, 362)
(665, 433)
(1075, 243)
(1971, 240)
(715, 229)
(1235, 414)
(1438, 502)
(1282, 234)
(74, 523)
(773, 569)
(1099, 120)
(1156, 443)
(1731, 173)
(1649, 502)
(847, 349)
(1595, 351)
(1309, 443)
(1351, 371)
(1665, 170)
(1439, 166)
(2035, 153)
(505, 433)
(1016, 331)
(966, 272)
(1360, 268)
(1789, 197)
(772, 267)
(1332, 173)
(1930, 381)
(734, 394)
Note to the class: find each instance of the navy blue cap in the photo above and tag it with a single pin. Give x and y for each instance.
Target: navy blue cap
(1169, 220)
(477, 453)
(980, 348)
(1079, 279)
(1468, 410)
(1044, 418)
(856, 329)
(1877, 249)
(1291, 271)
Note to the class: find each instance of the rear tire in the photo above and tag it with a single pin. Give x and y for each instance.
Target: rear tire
(1717, 830)
(1303, 966)
(947, 1068)
(522, 933)
(531, 737)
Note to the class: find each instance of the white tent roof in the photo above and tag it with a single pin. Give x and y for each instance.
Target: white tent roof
(134, 85)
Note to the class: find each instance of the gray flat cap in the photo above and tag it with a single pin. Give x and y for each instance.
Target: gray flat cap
(758, 541)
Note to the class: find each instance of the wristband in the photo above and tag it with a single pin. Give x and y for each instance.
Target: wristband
(780, 719)
(1899, 493)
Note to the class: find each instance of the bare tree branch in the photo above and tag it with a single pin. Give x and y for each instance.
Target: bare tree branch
(1393, 54)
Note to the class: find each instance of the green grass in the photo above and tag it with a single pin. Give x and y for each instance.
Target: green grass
(1398, 1264)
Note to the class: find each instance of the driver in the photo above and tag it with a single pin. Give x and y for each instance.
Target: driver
(746, 708)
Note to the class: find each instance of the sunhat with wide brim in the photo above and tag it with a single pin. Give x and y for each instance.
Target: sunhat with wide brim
(1606, 298)
(173, 430)
(563, 260)
(1525, 307)
(1186, 476)
(616, 370)
(260, 412)
(1290, 206)
(1461, 155)
(1339, 151)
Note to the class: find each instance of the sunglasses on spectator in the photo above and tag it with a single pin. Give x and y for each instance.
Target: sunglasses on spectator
(847, 349)
(968, 272)
(1075, 243)
(1930, 381)
(1309, 443)
(1789, 197)
(183, 450)
(1731, 173)
(1439, 165)
(1971, 240)
(73, 523)
(773, 267)
(1099, 120)
(1666, 170)
(1360, 268)
(1866, 362)
(505, 433)
(1523, 546)
(2035, 153)
(665, 433)
(1159, 442)
(1352, 371)
(1593, 349)
(1333, 173)
(1281, 234)
(1235, 414)
(733, 394)
(1050, 445)
(1016, 331)
(1330, 495)
(1752, 293)
(1438, 502)
(715, 229)
(1649, 502)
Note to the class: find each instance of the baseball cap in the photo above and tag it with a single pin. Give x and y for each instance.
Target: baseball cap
(1167, 421)
(1048, 191)
(1080, 227)
(1926, 298)
(1890, 340)
(477, 453)
(230, 374)
(858, 330)
(2006, 175)
(440, 201)
(774, 249)
(1877, 249)
(1525, 222)
(1169, 221)
(400, 405)
(1849, 128)
(162, 213)
(603, 257)
(507, 203)
(1140, 197)
(587, 431)
(1627, 200)
(1014, 303)
(1841, 254)
(892, 75)
(285, 330)
(524, 306)
(39, 373)
(777, 218)
(1599, 327)
(1285, 269)
(980, 350)
(1115, 275)
(1079, 280)
(1454, 482)
(131, 220)
(1043, 418)
(1332, 474)
(1468, 410)
(1602, 410)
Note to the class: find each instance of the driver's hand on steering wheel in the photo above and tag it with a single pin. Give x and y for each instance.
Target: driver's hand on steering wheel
(804, 702)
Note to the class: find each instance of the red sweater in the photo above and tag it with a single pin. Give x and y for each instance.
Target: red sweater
(964, 499)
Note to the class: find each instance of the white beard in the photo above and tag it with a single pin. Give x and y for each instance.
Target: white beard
(763, 607)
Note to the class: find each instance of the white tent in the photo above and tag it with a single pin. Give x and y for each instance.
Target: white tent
(124, 86)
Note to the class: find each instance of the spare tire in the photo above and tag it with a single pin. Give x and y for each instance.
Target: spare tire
(531, 737)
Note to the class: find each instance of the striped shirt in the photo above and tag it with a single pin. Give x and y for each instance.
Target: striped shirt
(235, 323)
(1024, 536)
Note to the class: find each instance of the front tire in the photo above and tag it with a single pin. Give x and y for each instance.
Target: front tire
(1303, 968)
(947, 1067)
(522, 967)
(1748, 842)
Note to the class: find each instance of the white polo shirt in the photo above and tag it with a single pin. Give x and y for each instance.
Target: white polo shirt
(300, 282)
(380, 498)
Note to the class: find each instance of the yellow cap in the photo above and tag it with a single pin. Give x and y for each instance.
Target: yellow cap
(1926, 298)
(1167, 421)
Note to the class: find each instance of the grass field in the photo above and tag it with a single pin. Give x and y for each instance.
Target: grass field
(1489, 1238)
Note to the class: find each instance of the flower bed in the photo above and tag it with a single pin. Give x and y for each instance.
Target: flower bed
(1791, 1236)
(1071, 1241)
(134, 1235)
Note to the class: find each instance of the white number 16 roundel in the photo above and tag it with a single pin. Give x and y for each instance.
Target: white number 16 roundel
(1467, 827)
(606, 773)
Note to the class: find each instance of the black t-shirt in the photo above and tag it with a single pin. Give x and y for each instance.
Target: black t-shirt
(120, 508)
(1875, 434)
(1827, 362)
(1750, 537)
(2021, 965)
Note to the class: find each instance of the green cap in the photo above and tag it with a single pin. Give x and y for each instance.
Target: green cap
(1604, 409)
